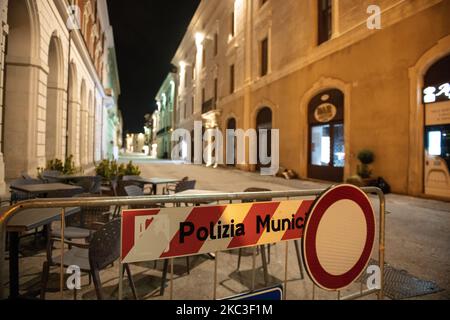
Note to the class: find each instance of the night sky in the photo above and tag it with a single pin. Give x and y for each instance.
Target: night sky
(147, 34)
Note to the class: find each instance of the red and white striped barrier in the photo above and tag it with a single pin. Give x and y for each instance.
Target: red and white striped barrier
(153, 234)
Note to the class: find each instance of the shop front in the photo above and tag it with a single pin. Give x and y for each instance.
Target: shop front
(436, 101)
(326, 136)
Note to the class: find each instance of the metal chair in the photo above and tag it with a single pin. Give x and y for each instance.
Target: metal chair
(101, 252)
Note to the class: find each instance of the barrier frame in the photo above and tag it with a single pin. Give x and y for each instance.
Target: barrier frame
(178, 200)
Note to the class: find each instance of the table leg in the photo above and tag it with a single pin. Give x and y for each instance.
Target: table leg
(14, 265)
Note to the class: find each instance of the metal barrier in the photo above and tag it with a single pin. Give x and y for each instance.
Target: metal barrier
(177, 200)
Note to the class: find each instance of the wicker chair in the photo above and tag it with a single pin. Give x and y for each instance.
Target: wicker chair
(81, 226)
(90, 184)
(185, 185)
(171, 187)
(49, 176)
(101, 252)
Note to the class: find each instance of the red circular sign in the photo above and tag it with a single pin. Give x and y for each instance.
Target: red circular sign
(339, 237)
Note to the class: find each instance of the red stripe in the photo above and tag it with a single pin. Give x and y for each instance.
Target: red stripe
(128, 225)
(251, 237)
(200, 217)
(301, 213)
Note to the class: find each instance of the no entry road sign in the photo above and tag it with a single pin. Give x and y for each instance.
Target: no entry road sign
(338, 237)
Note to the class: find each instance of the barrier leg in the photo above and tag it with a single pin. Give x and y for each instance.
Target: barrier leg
(264, 264)
(299, 259)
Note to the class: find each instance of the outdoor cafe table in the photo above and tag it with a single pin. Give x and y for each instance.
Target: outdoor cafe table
(46, 188)
(24, 221)
(154, 182)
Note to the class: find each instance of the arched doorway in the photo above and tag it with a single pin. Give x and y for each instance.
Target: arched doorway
(264, 122)
(231, 143)
(326, 136)
(54, 100)
(21, 87)
(436, 101)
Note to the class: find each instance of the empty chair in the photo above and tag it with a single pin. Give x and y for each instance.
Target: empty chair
(102, 251)
(90, 184)
(121, 185)
(26, 176)
(81, 226)
(133, 191)
(185, 185)
(171, 187)
(50, 176)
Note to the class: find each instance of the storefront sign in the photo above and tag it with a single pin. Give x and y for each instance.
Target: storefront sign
(437, 114)
(325, 113)
(436, 94)
(153, 234)
(338, 237)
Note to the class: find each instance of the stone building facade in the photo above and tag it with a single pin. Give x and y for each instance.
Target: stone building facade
(56, 83)
(335, 76)
(166, 100)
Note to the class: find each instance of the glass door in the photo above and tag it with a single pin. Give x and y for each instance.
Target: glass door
(437, 160)
(327, 152)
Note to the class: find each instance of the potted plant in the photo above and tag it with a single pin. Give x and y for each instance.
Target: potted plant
(366, 158)
(67, 167)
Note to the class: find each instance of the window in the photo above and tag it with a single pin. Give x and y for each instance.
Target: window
(215, 90)
(264, 47)
(232, 79)
(204, 58)
(192, 105)
(232, 25)
(216, 44)
(325, 20)
(193, 69)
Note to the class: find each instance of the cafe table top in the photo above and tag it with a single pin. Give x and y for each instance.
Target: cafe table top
(154, 181)
(46, 188)
(30, 219)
